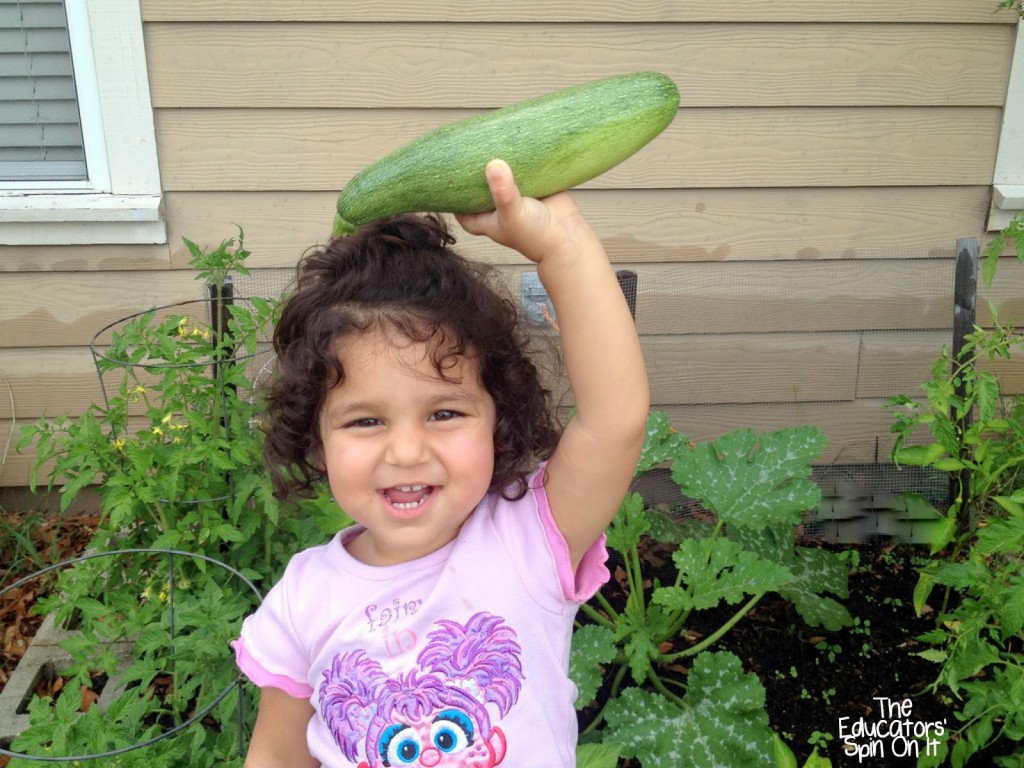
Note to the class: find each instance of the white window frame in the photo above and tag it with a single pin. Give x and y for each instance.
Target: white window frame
(122, 200)
(1008, 178)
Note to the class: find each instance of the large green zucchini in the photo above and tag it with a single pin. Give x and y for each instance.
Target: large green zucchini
(552, 143)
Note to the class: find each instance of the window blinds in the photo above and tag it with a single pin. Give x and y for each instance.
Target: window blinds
(40, 128)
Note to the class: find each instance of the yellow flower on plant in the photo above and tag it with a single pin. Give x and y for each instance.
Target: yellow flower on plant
(119, 443)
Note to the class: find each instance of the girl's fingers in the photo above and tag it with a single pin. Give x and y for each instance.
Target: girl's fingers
(504, 194)
(502, 184)
(475, 223)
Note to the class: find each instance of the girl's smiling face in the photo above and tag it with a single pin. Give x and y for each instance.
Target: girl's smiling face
(408, 453)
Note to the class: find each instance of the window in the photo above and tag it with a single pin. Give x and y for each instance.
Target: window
(1008, 179)
(86, 175)
(40, 128)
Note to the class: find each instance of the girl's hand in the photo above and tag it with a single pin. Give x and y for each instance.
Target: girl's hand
(536, 228)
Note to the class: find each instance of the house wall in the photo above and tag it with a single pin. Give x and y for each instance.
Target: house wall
(793, 230)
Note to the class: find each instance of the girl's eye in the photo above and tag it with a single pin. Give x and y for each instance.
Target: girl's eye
(366, 422)
(444, 415)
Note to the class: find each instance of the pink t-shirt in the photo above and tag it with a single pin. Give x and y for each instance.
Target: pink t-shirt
(458, 658)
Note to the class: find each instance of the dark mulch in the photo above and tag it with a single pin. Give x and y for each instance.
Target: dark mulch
(814, 678)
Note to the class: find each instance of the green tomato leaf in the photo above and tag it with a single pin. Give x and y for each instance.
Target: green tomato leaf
(963, 575)
(814, 760)
(1001, 535)
(923, 588)
(987, 395)
(784, 757)
(942, 534)
(69, 702)
(920, 455)
(1012, 613)
(227, 532)
(933, 655)
(753, 480)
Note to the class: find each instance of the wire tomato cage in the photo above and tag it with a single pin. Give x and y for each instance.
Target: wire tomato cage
(172, 588)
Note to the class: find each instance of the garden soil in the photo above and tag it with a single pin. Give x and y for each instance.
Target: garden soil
(821, 685)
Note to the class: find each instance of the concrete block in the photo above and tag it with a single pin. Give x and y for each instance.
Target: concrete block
(45, 657)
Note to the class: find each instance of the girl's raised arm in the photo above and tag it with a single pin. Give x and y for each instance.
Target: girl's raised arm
(591, 469)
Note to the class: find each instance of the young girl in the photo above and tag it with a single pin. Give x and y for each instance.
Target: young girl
(435, 631)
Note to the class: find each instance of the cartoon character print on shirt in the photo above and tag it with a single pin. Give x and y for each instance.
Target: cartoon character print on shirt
(435, 716)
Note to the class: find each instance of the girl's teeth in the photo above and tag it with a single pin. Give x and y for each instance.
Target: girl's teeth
(408, 496)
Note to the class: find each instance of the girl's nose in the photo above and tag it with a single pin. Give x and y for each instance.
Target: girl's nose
(407, 447)
(430, 757)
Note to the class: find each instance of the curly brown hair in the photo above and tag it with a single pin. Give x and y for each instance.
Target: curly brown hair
(401, 274)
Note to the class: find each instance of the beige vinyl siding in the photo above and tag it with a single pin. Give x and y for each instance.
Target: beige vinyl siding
(696, 299)
(617, 11)
(748, 65)
(301, 149)
(649, 225)
(793, 230)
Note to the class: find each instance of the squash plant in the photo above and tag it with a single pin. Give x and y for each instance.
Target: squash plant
(755, 487)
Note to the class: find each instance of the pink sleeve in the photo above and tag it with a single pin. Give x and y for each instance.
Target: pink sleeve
(269, 650)
(592, 572)
(262, 678)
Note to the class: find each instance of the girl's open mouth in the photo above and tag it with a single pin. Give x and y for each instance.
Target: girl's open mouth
(408, 497)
